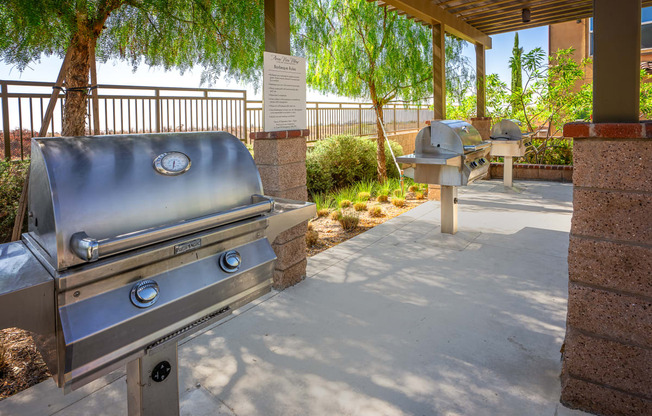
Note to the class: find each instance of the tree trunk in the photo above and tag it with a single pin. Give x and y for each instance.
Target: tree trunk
(75, 104)
(380, 148)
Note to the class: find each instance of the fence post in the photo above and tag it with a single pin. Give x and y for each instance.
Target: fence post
(317, 120)
(244, 118)
(5, 121)
(359, 119)
(395, 129)
(157, 101)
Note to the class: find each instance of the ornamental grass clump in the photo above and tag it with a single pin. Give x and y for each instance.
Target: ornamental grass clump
(413, 188)
(398, 202)
(419, 195)
(364, 196)
(312, 236)
(382, 198)
(360, 206)
(323, 212)
(345, 203)
(349, 222)
(397, 193)
(335, 215)
(376, 211)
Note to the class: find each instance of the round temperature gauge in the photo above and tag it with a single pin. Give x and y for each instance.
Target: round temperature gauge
(172, 163)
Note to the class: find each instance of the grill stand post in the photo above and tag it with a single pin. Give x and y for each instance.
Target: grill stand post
(448, 209)
(145, 395)
(508, 165)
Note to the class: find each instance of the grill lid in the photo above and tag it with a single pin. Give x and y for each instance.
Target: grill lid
(109, 186)
(453, 137)
(506, 129)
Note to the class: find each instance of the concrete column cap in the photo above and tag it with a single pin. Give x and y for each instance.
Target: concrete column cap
(282, 134)
(640, 130)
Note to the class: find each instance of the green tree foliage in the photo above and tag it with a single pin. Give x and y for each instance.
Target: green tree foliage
(357, 49)
(515, 65)
(224, 37)
(460, 75)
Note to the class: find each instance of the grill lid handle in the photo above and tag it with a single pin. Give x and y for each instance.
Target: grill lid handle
(474, 147)
(90, 249)
(85, 248)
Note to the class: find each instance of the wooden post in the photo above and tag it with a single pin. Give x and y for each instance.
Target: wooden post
(277, 26)
(54, 96)
(616, 61)
(439, 71)
(94, 93)
(480, 80)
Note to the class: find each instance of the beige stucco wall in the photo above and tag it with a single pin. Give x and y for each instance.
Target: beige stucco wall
(574, 34)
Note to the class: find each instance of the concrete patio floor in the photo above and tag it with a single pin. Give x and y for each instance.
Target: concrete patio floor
(400, 320)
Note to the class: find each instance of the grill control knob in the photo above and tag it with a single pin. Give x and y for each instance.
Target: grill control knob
(144, 293)
(230, 261)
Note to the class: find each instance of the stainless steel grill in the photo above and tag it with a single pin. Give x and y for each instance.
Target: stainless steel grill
(508, 141)
(135, 242)
(449, 153)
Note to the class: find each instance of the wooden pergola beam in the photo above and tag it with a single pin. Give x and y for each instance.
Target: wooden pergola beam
(430, 12)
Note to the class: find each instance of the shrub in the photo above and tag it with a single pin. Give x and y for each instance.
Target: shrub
(364, 196)
(345, 203)
(349, 222)
(419, 195)
(341, 161)
(335, 215)
(376, 211)
(12, 176)
(323, 212)
(383, 198)
(360, 206)
(398, 202)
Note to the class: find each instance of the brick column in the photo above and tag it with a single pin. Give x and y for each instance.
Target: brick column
(607, 356)
(483, 125)
(281, 160)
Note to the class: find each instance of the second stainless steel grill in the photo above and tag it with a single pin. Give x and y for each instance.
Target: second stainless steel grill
(449, 153)
(135, 242)
(508, 141)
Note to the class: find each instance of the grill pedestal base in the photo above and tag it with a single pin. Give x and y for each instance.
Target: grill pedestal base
(153, 383)
(448, 209)
(508, 171)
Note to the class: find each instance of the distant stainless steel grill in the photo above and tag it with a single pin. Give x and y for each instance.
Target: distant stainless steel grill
(508, 141)
(135, 242)
(449, 153)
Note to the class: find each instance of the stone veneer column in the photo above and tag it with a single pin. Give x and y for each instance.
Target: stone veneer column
(607, 355)
(281, 160)
(483, 125)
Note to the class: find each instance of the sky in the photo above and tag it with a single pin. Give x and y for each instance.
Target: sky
(121, 73)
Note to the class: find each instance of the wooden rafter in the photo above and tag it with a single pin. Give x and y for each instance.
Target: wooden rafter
(493, 17)
(487, 15)
(535, 14)
(429, 12)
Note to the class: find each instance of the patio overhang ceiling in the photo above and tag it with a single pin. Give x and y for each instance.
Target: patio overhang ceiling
(476, 20)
